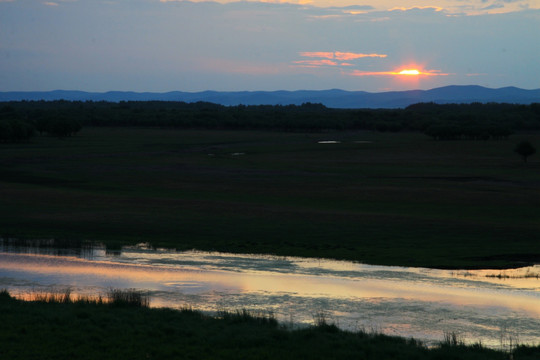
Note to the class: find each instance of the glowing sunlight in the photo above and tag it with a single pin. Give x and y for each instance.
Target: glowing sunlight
(409, 72)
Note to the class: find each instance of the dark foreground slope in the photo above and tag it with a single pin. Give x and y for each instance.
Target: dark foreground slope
(83, 330)
(395, 199)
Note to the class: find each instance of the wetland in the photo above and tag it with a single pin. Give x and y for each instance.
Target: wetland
(373, 232)
(480, 305)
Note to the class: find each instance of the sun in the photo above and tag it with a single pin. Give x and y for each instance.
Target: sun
(409, 72)
(405, 73)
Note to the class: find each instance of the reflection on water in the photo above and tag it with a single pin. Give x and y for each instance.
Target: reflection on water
(479, 305)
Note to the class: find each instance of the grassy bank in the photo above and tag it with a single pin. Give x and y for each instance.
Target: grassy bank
(397, 199)
(90, 330)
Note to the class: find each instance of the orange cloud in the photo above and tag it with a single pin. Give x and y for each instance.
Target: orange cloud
(355, 12)
(315, 63)
(339, 55)
(404, 72)
(318, 54)
(343, 7)
(436, 8)
(352, 56)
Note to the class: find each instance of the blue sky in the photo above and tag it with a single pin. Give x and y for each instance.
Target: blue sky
(153, 45)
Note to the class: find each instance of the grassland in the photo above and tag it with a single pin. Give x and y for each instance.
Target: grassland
(382, 198)
(89, 330)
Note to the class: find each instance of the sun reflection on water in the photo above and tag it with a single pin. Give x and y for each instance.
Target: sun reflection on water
(401, 301)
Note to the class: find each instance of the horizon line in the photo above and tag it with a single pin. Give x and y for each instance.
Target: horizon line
(255, 91)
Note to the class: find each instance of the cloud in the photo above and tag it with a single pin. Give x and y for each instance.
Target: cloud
(494, 6)
(349, 10)
(318, 54)
(436, 8)
(336, 9)
(352, 7)
(340, 55)
(331, 58)
(403, 72)
(352, 56)
(316, 63)
(53, 3)
(151, 45)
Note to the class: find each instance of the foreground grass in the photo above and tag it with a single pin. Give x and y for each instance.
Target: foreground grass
(114, 297)
(393, 199)
(90, 330)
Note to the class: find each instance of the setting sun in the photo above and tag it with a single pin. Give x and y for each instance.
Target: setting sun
(409, 72)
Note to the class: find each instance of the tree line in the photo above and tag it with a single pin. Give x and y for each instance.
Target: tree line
(17, 124)
(477, 121)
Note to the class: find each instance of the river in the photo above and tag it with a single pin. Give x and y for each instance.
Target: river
(495, 307)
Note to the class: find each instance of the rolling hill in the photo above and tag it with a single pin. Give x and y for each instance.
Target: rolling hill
(334, 98)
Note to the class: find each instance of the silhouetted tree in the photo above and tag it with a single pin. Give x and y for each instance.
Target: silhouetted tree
(15, 130)
(525, 149)
(63, 127)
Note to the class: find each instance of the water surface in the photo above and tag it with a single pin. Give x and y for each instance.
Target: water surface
(486, 305)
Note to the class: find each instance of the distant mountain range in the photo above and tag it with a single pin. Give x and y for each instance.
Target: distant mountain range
(331, 98)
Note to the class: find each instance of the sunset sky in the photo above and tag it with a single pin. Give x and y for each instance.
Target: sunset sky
(165, 45)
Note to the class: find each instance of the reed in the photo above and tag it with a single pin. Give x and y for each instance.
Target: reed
(452, 338)
(528, 275)
(4, 294)
(63, 297)
(245, 315)
(114, 297)
(128, 297)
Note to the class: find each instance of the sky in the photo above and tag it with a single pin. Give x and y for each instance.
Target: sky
(168, 45)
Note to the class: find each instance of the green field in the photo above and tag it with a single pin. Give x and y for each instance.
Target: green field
(85, 330)
(380, 198)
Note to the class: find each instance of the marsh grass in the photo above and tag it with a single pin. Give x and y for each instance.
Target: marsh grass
(4, 294)
(61, 297)
(452, 338)
(528, 275)
(128, 297)
(321, 320)
(508, 340)
(91, 330)
(113, 297)
(245, 315)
